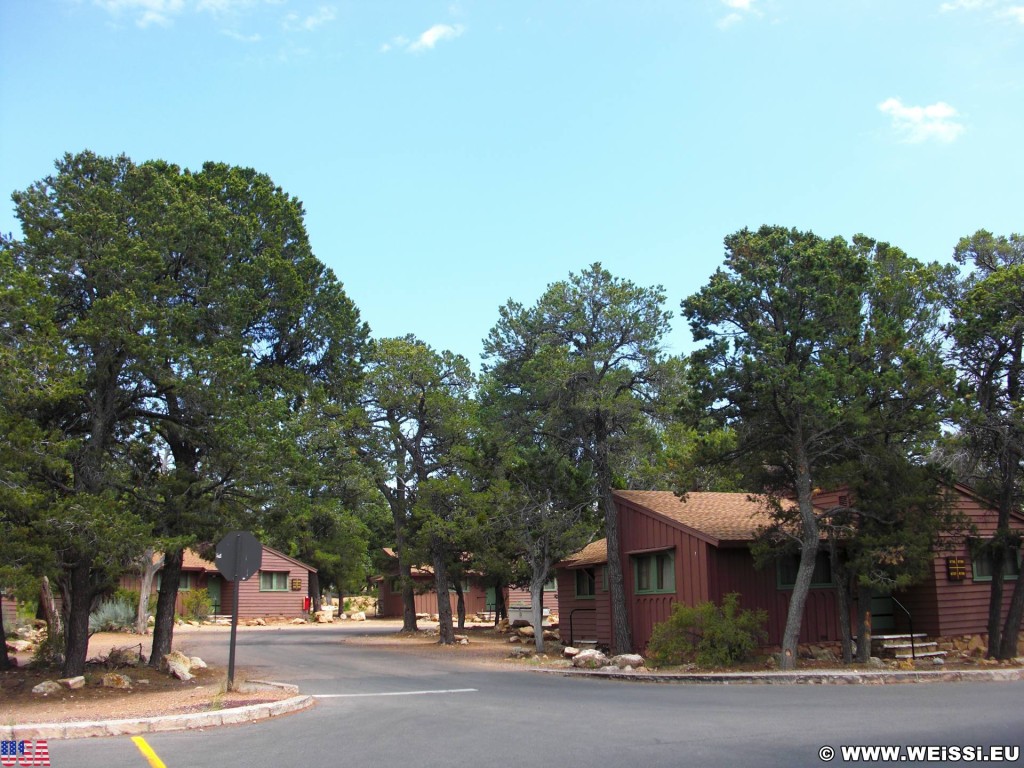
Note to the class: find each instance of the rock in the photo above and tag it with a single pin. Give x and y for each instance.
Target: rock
(178, 665)
(47, 687)
(976, 645)
(877, 663)
(771, 662)
(520, 653)
(515, 639)
(631, 660)
(608, 668)
(357, 616)
(259, 622)
(298, 621)
(551, 636)
(72, 683)
(196, 663)
(464, 641)
(194, 623)
(460, 638)
(938, 661)
(526, 632)
(590, 659)
(115, 680)
(569, 652)
(520, 623)
(324, 617)
(823, 654)
(19, 646)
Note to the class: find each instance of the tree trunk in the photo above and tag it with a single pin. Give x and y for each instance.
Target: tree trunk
(622, 635)
(808, 555)
(163, 626)
(76, 595)
(537, 580)
(314, 591)
(460, 604)
(842, 578)
(49, 609)
(5, 660)
(995, 600)
(149, 569)
(863, 625)
(1011, 631)
(446, 635)
(396, 500)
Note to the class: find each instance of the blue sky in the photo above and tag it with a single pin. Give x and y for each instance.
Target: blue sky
(453, 155)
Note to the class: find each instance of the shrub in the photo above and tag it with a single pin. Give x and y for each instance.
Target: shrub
(112, 616)
(129, 596)
(196, 604)
(709, 635)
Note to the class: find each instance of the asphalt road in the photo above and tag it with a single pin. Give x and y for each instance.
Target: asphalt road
(385, 709)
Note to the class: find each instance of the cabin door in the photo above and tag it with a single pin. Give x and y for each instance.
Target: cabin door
(882, 617)
(213, 583)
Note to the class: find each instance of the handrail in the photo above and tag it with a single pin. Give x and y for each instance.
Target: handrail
(570, 619)
(910, 622)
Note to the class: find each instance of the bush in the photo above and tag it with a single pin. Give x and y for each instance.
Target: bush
(112, 616)
(129, 596)
(708, 635)
(196, 604)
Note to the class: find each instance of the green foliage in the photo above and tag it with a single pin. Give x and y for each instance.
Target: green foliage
(707, 634)
(196, 604)
(112, 615)
(129, 596)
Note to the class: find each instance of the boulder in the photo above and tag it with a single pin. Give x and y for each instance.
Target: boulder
(47, 687)
(19, 646)
(520, 653)
(116, 680)
(72, 683)
(196, 663)
(464, 639)
(591, 658)
(324, 617)
(551, 636)
(631, 660)
(298, 621)
(526, 631)
(178, 665)
(357, 616)
(569, 652)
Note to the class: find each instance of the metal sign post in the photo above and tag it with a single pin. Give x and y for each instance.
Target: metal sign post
(239, 556)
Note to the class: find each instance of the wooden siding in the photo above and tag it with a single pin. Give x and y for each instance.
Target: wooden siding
(733, 571)
(960, 607)
(425, 600)
(589, 616)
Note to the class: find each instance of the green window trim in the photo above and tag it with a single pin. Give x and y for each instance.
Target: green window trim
(586, 583)
(981, 566)
(273, 581)
(654, 573)
(786, 569)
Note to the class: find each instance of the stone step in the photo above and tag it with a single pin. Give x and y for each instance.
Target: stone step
(905, 646)
(921, 655)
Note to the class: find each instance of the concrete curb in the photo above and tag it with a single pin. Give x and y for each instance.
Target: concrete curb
(810, 677)
(80, 730)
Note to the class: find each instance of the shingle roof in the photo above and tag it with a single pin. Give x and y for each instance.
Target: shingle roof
(594, 553)
(721, 516)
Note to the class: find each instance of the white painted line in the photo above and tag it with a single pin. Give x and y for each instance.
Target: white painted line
(394, 693)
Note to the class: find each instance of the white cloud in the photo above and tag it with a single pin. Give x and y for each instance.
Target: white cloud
(963, 5)
(740, 10)
(323, 15)
(434, 35)
(1015, 12)
(253, 38)
(146, 12)
(938, 121)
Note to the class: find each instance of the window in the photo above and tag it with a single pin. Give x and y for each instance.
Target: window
(551, 585)
(586, 582)
(186, 581)
(981, 564)
(273, 581)
(787, 567)
(655, 572)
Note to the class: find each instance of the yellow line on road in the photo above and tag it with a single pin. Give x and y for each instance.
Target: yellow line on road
(148, 752)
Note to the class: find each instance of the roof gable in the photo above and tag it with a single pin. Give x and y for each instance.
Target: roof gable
(712, 516)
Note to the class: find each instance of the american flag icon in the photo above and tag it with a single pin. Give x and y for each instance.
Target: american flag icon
(24, 753)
